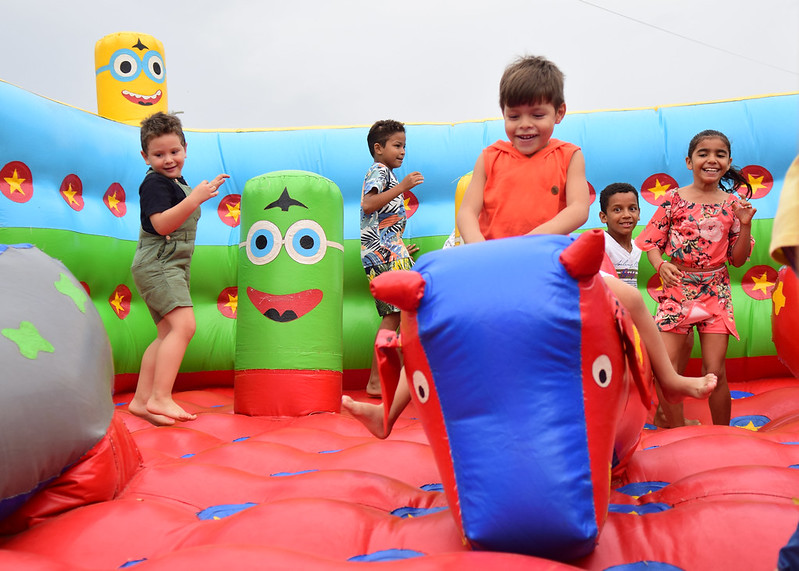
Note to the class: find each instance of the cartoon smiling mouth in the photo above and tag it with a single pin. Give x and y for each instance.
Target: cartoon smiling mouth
(288, 307)
(142, 99)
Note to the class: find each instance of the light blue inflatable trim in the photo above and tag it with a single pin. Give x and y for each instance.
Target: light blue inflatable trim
(55, 140)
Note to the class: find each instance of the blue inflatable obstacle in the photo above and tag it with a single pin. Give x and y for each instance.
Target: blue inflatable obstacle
(531, 383)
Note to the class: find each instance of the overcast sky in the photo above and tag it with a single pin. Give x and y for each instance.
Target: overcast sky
(260, 64)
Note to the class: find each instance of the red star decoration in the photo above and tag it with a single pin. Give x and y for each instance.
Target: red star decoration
(72, 192)
(114, 199)
(759, 178)
(411, 203)
(758, 282)
(120, 301)
(229, 210)
(16, 182)
(655, 187)
(654, 287)
(228, 301)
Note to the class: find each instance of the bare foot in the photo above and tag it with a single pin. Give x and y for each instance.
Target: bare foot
(141, 411)
(168, 407)
(370, 415)
(660, 421)
(695, 387)
(373, 389)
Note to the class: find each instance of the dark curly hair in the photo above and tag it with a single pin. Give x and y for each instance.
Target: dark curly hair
(381, 132)
(614, 188)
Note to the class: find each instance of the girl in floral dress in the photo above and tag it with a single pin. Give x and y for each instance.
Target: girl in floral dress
(700, 227)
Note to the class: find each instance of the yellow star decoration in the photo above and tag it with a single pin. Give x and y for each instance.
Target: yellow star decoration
(117, 303)
(659, 189)
(750, 426)
(233, 303)
(113, 201)
(70, 194)
(406, 202)
(233, 211)
(756, 182)
(15, 183)
(762, 283)
(778, 298)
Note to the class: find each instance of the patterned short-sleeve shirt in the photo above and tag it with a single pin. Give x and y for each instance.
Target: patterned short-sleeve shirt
(381, 230)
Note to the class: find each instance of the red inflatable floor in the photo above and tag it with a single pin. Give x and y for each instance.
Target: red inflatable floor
(319, 492)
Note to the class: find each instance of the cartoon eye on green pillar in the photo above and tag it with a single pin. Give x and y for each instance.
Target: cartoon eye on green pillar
(289, 356)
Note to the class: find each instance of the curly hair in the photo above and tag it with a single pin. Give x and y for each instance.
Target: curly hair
(614, 188)
(159, 124)
(381, 131)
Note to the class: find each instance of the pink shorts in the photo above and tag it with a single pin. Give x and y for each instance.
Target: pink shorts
(703, 300)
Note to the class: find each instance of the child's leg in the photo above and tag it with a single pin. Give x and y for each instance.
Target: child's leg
(670, 414)
(144, 387)
(392, 323)
(371, 415)
(714, 352)
(673, 386)
(175, 330)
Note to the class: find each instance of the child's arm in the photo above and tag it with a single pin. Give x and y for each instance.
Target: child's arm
(668, 272)
(472, 204)
(577, 201)
(374, 200)
(170, 219)
(742, 248)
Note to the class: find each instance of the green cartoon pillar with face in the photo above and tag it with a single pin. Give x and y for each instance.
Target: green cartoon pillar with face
(290, 280)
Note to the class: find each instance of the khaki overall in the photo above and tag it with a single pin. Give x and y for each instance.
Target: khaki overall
(161, 266)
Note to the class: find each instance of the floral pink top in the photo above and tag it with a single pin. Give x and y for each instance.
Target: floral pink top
(694, 235)
(698, 236)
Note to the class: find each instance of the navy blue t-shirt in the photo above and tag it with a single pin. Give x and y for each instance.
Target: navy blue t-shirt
(158, 193)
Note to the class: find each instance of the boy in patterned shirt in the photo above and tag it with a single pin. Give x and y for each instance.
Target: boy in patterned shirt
(383, 220)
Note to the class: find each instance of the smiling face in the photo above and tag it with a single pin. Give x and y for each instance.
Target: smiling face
(166, 154)
(130, 76)
(709, 161)
(290, 273)
(529, 127)
(393, 153)
(622, 214)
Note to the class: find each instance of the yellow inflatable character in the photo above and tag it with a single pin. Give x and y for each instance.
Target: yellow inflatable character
(131, 77)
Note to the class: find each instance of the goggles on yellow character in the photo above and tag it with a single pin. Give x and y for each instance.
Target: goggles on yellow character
(126, 65)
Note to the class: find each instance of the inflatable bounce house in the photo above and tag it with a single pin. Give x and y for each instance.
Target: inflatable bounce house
(529, 442)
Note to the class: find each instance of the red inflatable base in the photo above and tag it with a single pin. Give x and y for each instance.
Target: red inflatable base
(285, 392)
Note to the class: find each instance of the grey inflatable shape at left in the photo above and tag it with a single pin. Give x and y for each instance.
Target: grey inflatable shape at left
(56, 372)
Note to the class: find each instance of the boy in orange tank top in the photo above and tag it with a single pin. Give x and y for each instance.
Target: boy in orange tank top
(533, 184)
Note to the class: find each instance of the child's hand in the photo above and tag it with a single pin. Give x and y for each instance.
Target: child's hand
(744, 210)
(413, 179)
(669, 274)
(206, 190)
(412, 249)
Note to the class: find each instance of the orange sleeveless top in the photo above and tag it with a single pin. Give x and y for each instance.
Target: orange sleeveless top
(523, 192)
